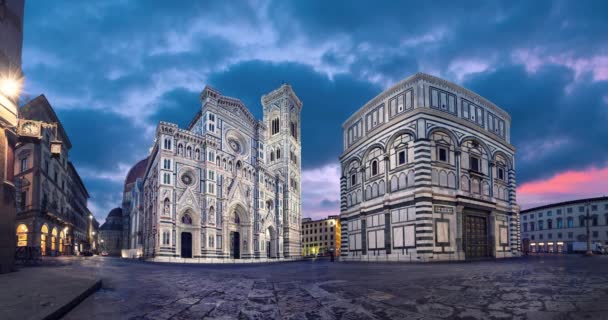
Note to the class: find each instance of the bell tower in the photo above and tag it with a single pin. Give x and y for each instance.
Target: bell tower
(282, 110)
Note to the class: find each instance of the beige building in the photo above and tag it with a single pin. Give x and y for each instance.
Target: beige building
(52, 213)
(228, 186)
(554, 228)
(321, 237)
(111, 234)
(428, 174)
(11, 77)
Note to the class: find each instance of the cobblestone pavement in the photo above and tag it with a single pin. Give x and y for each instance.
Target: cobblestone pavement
(567, 287)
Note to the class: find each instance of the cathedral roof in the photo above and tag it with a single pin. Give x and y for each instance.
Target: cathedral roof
(137, 171)
(116, 212)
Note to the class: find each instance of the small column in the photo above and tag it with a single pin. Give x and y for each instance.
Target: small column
(458, 153)
(491, 175)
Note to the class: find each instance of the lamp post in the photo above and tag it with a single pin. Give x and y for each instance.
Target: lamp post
(588, 218)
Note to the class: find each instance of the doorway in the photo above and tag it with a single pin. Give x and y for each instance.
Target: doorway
(475, 237)
(235, 245)
(186, 245)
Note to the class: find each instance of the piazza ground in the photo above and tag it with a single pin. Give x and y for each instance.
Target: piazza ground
(553, 287)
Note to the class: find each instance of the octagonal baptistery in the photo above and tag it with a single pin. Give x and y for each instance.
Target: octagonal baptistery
(428, 175)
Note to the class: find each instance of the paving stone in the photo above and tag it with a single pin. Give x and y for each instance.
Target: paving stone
(557, 288)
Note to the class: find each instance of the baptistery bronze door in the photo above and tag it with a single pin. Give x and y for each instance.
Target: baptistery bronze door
(475, 236)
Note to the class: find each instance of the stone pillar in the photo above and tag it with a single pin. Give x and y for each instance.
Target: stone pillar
(459, 232)
(343, 193)
(492, 233)
(387, 231)
(424, 199)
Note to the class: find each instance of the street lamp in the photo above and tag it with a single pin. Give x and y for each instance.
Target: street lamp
(588, 218)
(10, 86)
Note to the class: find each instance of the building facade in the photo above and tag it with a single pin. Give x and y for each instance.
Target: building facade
(52, 212)
(554, 228)
(321, 237)
(132, 211)
(11, 42)
(428, 174)
(228, 186)
(111, 233)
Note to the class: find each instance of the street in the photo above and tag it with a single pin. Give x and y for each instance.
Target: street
(552, 287)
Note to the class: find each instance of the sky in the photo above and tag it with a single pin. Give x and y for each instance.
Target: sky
(113, 69)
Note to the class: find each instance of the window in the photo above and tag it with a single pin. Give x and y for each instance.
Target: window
(475, 164)
(594, 207)
(595, 234)
(501, 173)
(166, 238)
(211, 127)
(540, 214)
(275, 126)
(353, 179)
(278, 154)
(443, 154)
(581, 221)
(167, 144)
(549, 224)
(540, 225)
(167, 164)
(167, 178)
(581, 209)
(180, 149)
(211, 188)
(525, 227)
(570, 222)
(401, 156)
(531, 226)
(594, 220)
(23, 164)
(294, 130)
(570, 235)
(218, 242)
(560, 223)
(210, 155)
(374, 167)
(569, 210)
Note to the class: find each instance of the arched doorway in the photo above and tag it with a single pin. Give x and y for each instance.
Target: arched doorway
(22, 235)
(186, 245)
(238, 230)
(61, 241)
(271, 243)
(44, 231)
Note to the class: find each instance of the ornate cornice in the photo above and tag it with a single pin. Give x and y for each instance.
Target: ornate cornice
(410, 81)
(285, 89)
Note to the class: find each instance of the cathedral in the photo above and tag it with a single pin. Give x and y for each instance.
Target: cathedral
(228, 186)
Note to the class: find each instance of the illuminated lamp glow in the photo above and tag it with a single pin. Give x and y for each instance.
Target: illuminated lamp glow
(10, 87)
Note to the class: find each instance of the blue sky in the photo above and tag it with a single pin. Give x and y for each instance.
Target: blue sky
(113, 69)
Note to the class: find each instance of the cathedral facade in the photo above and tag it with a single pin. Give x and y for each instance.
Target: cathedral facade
(228, 186)
(428, 174)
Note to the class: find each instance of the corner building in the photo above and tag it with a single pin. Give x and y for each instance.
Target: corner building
(428, 175)
(228, 186)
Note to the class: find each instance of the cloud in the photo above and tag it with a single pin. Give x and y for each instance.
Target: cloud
(569, 185)
(321, 191)
(111, 78)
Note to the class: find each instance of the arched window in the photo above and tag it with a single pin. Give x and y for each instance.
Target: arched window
(54, 239)
(560, 223)
(275, 127)
(271, 155)
(549, 224)
(167, 207)
(197, 154)
(237, 219)
(374, 167)
(167, 144)
(22, 235)
(230, 165)
(278, 154)
(189, 152)
(43, 235)
(180, 149)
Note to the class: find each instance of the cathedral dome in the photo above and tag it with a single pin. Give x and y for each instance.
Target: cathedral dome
(137, 171)
(115, 213)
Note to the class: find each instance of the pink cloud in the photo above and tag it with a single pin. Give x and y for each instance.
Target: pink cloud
(565, 186)
(532, 59)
